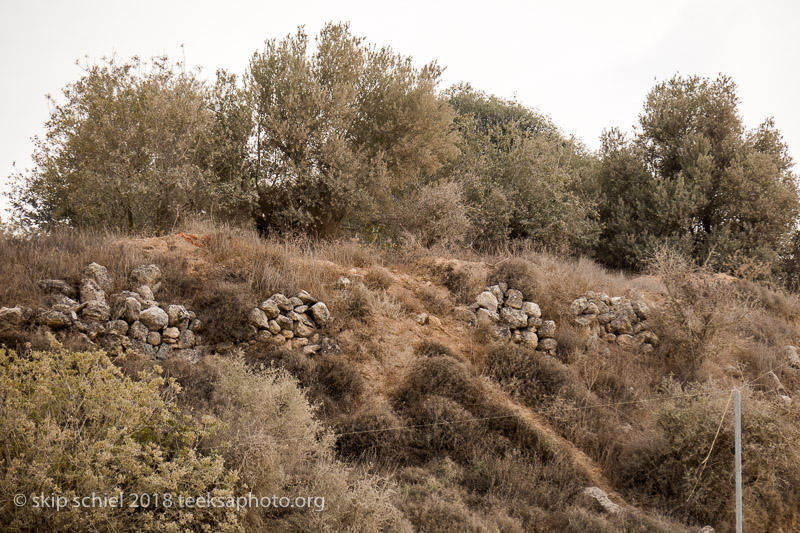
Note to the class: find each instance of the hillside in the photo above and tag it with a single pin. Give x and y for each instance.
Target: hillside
(439, 391)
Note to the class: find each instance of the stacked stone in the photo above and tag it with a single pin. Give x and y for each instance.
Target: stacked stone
(615, 319)
(131, 319)
(290, 321)
(511, 316)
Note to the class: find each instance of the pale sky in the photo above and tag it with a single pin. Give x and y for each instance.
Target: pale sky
(587, 64)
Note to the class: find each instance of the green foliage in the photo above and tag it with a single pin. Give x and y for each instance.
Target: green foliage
(72, 425)
(694, 179)
(132, 146)
(339, 131)
(521, 177)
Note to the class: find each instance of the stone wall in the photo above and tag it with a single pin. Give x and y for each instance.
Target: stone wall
(291, 321)
(510, 316)
(615, 319)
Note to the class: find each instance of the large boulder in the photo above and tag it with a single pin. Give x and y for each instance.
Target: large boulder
(154, 318)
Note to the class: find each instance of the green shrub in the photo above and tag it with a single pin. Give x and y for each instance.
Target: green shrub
(72, 425)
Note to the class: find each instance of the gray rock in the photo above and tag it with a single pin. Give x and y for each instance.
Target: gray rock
(54, 319)
(270, 308)
(513, 299)
(641, 309)
(790, 353)
(258, 318)
(300, 309)
(284, 322)
(530, 339)
(311, 349)
(196, 325)
(515, 318)
(601, 499)
(502, 331)
(548, 345)
(616, 300)
(171, 333)
(117, 327)
(138, 331)
(147, 275)
(163, 352)
(590, 309)
(154, 318)
(578, 305)
(421, 319)
(646, 348)
(273, 327)
(282, 302)
(94, 330)
(306, 298)
(484, 316)
(498, 293)
(503, 286)
(178, 316)
(343, 283)
(707, 529)
(153, 338)
(487, 301)
(97, 310)
(531, 309)
(302, 330)
(129, 310)
(186, 339)
(621, 326)
(295, 301)
(287, 334)
(299, 342)
(320, 313)
(628, 342)
(91, 292)
(547, 330)
(58, 286)
(99, 274)
(145, 293)
(605, 318)
(59, 299)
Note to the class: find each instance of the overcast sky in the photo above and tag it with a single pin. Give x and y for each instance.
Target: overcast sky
(587, 64)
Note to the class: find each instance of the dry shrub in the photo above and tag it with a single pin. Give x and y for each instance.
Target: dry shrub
(429, 348)
(352, 304)
(443, 376)
(374, 434)
(517, 273)
(378, 278)
(537, 379)
(350, 253)
(700, 314)
(338, 381)
(664, 462)
(444, 428)
(271, 438)
(465, 282)
(222, 306)
(437, 300)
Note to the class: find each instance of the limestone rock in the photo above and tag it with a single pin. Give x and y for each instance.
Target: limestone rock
(147, 275)
(515, 318)
(488, 301)
(178, 316)
(601, 499)
(117, 327)
(498, 293)
(306, 298)
(186, 339)
(282, 302)
(54, 319)
(258, 318)
(320, 313)
(484, 316)
(90, 291)
(138, 331)
(641, 309)
(284, 322)
(270, 308)
(628, 342)
(302, 330)
(529, 339)
(531, 309)
(792, 356)
(547, 330)
(463, 314)
(273, 327)
(154, 318)
(96, 310)
(145, 293)
(153, 338)
(513, 299)
(99, 274)
(58, 286)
